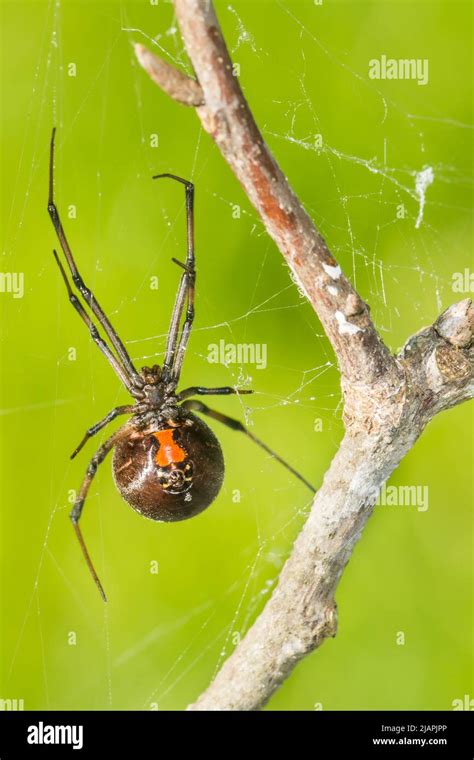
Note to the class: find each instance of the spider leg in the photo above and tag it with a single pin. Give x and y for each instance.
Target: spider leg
(98, 340)
(230, 422)
(87, 294)
(175, 352)
(198, 390)
(128, 409)
(186, 330)
(76, 511)
(173, 331)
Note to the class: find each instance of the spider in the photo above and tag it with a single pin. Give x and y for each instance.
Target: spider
(167, 464)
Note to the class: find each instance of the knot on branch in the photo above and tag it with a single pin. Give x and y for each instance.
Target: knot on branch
(440, 361)
(177, 85)
(456, 324)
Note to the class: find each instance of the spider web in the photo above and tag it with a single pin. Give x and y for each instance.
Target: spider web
(348, 183)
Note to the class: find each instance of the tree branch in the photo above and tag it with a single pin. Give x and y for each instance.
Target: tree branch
(226, 116)
(387, 400)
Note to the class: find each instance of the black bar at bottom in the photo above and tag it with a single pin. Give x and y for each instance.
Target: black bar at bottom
(83, 734)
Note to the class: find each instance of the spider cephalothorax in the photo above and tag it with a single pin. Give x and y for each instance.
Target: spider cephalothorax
(152, 389)
(167, 464)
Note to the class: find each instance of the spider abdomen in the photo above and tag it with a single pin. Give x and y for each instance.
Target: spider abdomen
(170, 473)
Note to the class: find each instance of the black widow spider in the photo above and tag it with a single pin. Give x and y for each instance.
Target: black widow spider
(168, 464)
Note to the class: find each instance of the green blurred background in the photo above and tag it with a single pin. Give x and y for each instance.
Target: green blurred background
(304, 67)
